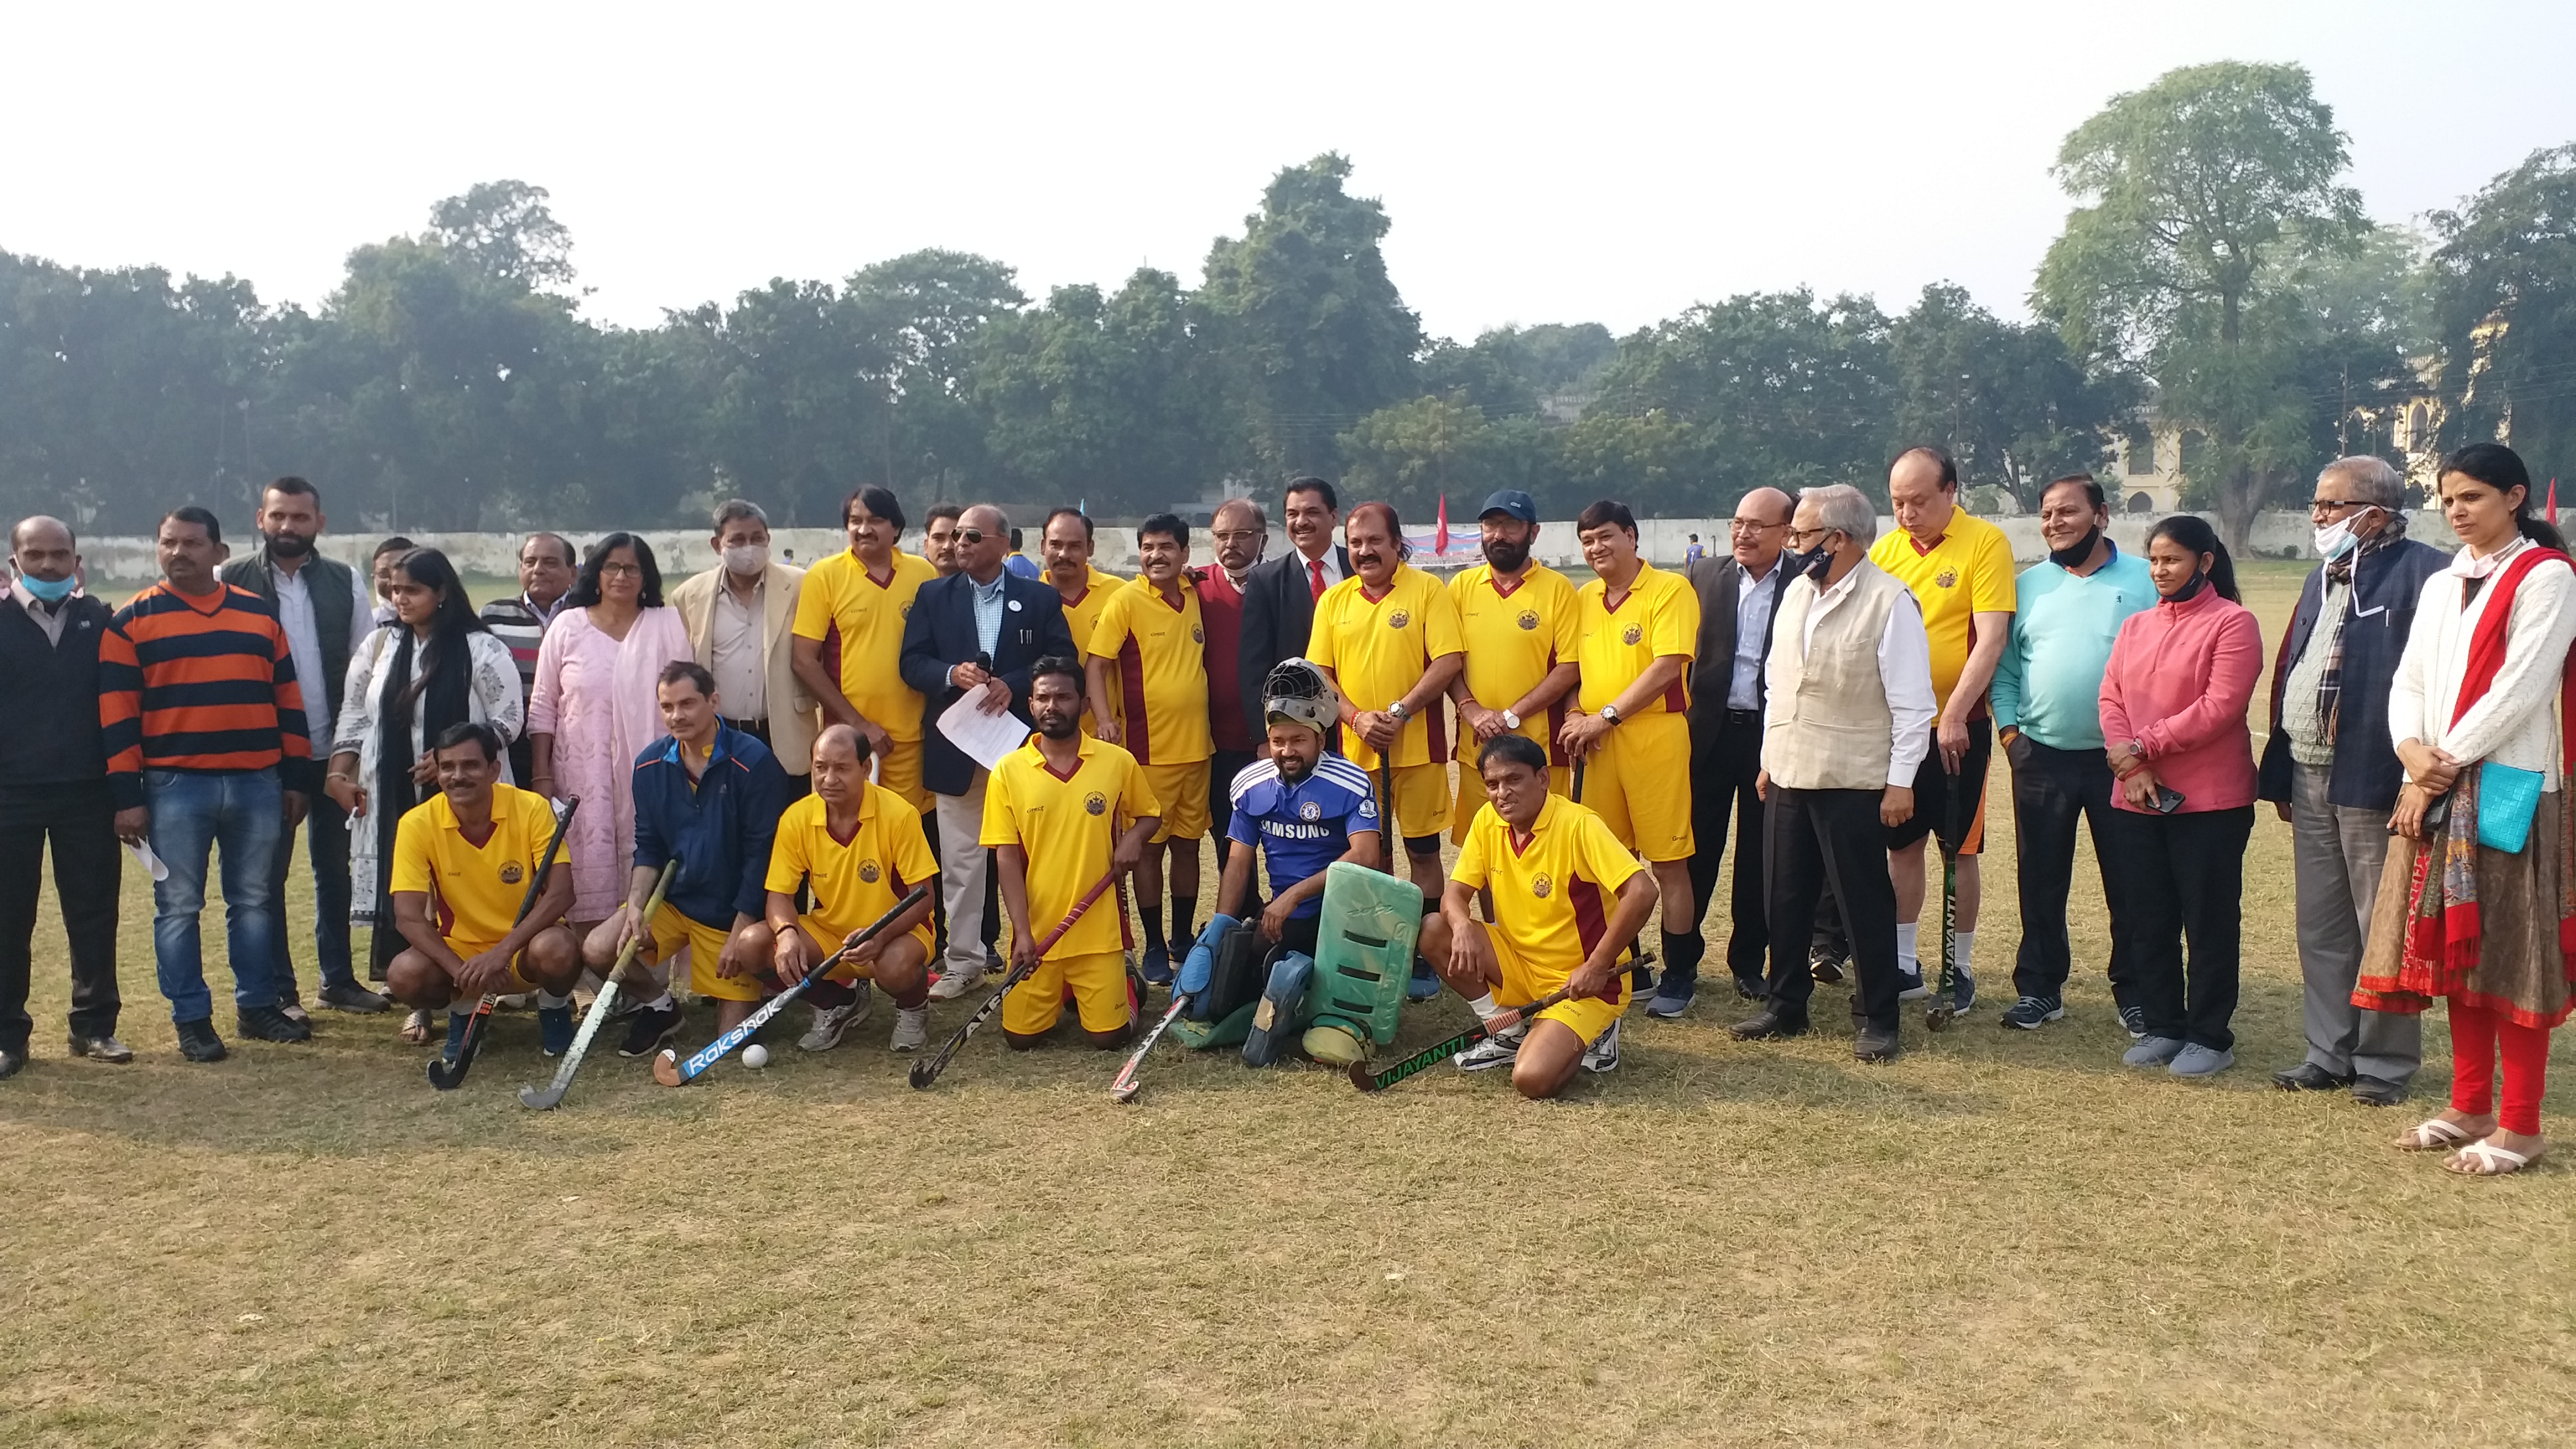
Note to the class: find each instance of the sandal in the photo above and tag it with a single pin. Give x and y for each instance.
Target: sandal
(415, 1028)
(2434, 1134)
(2485, 1159)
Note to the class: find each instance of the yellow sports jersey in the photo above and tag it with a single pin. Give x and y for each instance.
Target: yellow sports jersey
(1160, 649)
(1081, 616)
(863, 618)
(478, 886)
(858, 880)
(1554, 892)
(1513, 640)
(1066, 825)
(1659, 615)
(1969, 572)
(1378, 648)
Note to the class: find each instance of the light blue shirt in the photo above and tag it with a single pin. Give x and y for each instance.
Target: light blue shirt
(2049, 683)
(988, 613)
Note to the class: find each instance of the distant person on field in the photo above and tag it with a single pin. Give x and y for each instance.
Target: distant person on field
(53, 783)
(1019, 562)
(1696, 552)
(546, 569)
(2048, 711)
(2330, 771)
(741, 618)
(2173, 715)
(2470, 709)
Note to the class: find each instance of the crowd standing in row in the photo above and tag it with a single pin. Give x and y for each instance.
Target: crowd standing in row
(760, 770)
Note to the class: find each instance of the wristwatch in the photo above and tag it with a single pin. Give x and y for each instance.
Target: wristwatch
(1511, 721)
(1399, 711)
(1610, 714)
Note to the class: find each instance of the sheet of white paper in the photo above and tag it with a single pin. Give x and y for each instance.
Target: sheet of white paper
(143, 856)
(985, 738)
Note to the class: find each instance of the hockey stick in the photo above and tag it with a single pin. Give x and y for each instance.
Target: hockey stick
(1386, 806)
(445, 1075)
(927, 1070)
(1578, 779)
(1127, 1084)
(544, 1099)
(670, 1071)
(1381, 1078)
(1945, 996)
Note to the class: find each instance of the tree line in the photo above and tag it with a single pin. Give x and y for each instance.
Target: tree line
(2216, 273)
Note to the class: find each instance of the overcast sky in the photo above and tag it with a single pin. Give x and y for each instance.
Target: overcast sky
(1578, 161)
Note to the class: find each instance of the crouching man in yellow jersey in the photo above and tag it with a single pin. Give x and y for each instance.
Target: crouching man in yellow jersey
(471, 848)
(1052, 815)
(862, 848)
(1568, 897)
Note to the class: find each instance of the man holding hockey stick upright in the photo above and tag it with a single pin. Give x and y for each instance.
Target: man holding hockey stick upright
(862, 846)
(1052, 814)
(1568, 898)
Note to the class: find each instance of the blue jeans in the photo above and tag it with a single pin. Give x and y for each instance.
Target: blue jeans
(241, 814)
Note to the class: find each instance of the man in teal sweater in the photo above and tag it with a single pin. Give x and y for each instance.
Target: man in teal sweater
(2046, 703)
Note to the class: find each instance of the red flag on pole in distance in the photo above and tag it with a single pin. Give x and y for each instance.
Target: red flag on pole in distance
(2553, 502)
(1440, 540)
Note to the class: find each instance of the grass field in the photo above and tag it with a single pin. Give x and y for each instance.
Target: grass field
(2000, 1238)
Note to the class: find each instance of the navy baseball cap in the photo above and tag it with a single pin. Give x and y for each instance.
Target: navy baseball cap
(1512, 501)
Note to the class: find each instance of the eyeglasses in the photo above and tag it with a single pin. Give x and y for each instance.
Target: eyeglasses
(621, 570)
(2331, 505)
(1751, 525)
(1237, 535)
(970, 535)
(1798, 536)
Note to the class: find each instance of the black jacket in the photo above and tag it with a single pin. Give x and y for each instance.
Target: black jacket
(51, 719)
(2385, 587)
(337, 625)
(1278, 619)
(1714, 672)
(940, 631)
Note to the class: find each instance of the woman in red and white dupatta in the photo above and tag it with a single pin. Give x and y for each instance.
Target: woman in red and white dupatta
(2491, 932)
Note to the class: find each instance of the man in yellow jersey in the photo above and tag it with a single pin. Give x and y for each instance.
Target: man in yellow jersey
(1154, 634)
(1631, 723)
(1518, 619)
(861, 848)
(939, 536)
(473, 847)
(1960, 570)
(1066, 541)
(852, 608)
(1061, 812)
(1568, 897)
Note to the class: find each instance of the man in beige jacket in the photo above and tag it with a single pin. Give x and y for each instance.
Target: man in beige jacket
(741, 618)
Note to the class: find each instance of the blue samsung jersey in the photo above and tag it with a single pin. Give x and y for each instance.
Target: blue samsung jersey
(1305, 827)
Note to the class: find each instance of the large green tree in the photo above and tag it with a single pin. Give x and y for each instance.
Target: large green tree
(922, 311)
(2012, 405)
(2196, 196)
(2504, 302)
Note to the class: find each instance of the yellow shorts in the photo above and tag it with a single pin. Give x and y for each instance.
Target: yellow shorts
(1099, 985)
(1588, 1016)
(1638, 782)
(672, 930)
(468, 950)
(1472, 797)
(900, 771)
(1421, 800)
(1183, 789)
(830, 941)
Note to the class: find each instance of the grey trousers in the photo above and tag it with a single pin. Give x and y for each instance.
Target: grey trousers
(2337, 852)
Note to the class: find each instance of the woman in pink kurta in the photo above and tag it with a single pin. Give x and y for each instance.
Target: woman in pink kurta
(594, 708)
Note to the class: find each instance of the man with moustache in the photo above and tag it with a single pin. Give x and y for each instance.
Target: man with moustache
(1518, 621)
(546, 571)
(320, 603)
(939, 536)
(1153, 632)
(1066, 540)
(1240, 532)
(1279, 594)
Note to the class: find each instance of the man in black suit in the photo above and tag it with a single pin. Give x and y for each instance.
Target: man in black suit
(1279, 594)
(1738, 597)
(978, 629)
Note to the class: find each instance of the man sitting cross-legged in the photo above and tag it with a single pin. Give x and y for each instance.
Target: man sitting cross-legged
(1567, 899)
(862, 847)
(472, 846)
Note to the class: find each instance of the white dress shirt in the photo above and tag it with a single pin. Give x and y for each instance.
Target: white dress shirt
(304, 643)
(741, 666)
(1332, 562)
(1753, 599)
(1904, 671)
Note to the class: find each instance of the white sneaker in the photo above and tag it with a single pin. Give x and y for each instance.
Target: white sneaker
(1603, 1054)
(830, 1023)
(911, 1028)
(955, 981)
(1500, 1050)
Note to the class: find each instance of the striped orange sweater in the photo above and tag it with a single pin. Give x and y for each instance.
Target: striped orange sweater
(202, 684)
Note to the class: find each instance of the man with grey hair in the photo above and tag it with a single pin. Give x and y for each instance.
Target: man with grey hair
(2330, 771)
(741, 618)
(1847, 720)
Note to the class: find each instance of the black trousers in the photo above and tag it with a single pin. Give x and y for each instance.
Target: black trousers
(1223, 766)
(1722, 779)
(1820, 840)
(2186, 876)
(326, 833)
(2052, 791)
(81, 822)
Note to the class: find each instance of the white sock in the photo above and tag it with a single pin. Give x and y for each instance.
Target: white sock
(1906, 960)
(1485, 1008)
(662, 1002)
(548, 1001)
(1966, 941)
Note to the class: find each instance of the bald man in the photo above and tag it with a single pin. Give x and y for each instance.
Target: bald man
(1738, 596)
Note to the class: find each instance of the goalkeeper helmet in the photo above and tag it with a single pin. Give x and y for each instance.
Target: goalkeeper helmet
(1297, 691)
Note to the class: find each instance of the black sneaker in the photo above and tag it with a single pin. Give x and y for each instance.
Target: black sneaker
(268, 1023)
(293, 1010)
(652, 1027)
(198, 1042)
(1874, 1044)
(2134, 1018)
(349, 996)
(11, 1060)
(2033, 1012)
(555, 1029)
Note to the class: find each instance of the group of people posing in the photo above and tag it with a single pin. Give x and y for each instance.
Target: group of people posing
(750, 768)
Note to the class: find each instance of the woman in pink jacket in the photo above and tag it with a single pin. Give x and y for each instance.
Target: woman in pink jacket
(2173, 719)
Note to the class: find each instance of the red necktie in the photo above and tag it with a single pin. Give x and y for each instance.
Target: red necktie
(1315, 577)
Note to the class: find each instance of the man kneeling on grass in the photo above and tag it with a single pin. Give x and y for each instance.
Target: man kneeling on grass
(1550, 864)
(474, 845)
(862, 847)
(1051, 816)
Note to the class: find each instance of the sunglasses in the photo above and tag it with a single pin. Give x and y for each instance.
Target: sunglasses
(970, 535)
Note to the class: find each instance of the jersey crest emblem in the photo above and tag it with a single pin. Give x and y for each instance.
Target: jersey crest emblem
(511, 873)
(868, 871)
(1540, 885)
(1197, 634)
(1368, 809)
(1528, 620)
(1632, 634)
(1310, 811)
(1096, 803)
(1398, 619)
(1947, 578)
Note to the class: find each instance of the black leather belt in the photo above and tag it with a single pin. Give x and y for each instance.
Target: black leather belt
(758, 729)
(1744, 716)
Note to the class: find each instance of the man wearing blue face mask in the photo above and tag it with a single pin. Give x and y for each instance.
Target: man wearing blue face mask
(2331, 772)
(53, 784)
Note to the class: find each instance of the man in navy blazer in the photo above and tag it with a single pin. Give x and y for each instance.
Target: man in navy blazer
(978, 629)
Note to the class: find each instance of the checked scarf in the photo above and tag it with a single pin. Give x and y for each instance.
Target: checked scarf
(2340, 572)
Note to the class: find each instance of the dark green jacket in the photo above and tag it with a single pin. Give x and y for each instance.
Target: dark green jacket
(330, 585)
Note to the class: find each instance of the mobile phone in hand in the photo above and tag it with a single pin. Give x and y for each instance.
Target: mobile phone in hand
(2168, 799)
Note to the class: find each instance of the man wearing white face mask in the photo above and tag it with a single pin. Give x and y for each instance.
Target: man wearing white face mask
(2330, 771)
(741, 618)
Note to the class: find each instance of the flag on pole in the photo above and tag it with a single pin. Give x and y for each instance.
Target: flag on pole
(2553, 502)
(1440, 539)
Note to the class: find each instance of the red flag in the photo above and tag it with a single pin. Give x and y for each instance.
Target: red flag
(1440, 540)
(2553, 501)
